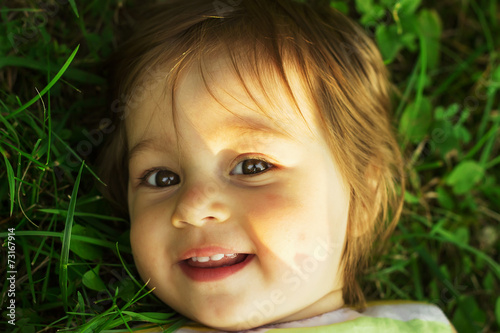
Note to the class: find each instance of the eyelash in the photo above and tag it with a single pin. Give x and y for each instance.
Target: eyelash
(144, 179)
(256, 158)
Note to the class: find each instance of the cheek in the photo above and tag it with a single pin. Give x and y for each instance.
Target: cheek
(146, 239)
(295, 214)
(294, 221)
(138, 235)
(148, 217)
(143, 258)
(267, 211)
(280, 223)
(277, 202)
(141, 242)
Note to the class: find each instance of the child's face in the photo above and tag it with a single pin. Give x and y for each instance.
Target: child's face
(229, 180)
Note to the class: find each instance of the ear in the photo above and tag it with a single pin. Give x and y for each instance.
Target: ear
(364, 215)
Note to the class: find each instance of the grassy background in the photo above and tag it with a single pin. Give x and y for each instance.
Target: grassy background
(74, 268)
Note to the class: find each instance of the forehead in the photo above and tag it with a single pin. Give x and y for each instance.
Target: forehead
(214, 95)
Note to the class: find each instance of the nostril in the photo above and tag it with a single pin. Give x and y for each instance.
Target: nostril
(197, 213)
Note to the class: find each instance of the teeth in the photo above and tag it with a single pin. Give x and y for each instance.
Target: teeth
(215, 257)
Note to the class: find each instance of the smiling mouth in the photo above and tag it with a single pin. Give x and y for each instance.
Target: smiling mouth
(216, 267)
(217, 260)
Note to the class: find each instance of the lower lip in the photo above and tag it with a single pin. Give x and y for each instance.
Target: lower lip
(213, 274)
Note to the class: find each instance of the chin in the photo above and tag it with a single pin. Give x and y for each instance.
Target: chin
(228, 320)
(231, 326)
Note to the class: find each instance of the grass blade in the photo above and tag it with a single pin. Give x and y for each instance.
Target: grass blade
(177, 325)
(73, 6)
(10, 129)
(28, 156)
(63, 269)
(81, 214)
(47, 88)
(45, 283)
(90, 240)
(125, 266)
(77, 157)
(72, 74)
(27, 262)
(11, 180)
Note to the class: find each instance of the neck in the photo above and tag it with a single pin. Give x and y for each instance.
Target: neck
(327, 303)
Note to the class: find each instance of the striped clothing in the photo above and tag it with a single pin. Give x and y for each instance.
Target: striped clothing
(384, 316)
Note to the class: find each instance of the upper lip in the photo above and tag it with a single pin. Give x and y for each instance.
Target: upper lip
(206, 251)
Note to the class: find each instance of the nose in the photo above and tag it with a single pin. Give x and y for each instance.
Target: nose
(200, 203)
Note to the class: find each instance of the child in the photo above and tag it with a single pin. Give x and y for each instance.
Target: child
(261, 165)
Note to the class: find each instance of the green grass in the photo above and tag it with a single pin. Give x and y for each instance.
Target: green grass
(73, 262)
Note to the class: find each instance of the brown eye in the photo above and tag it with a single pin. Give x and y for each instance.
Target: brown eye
(163, 178)
(251, 167)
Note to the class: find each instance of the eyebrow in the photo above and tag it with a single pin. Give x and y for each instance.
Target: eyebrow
(242, 128)
(144, 145)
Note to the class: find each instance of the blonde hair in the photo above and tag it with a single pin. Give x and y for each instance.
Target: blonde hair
(340, 68)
